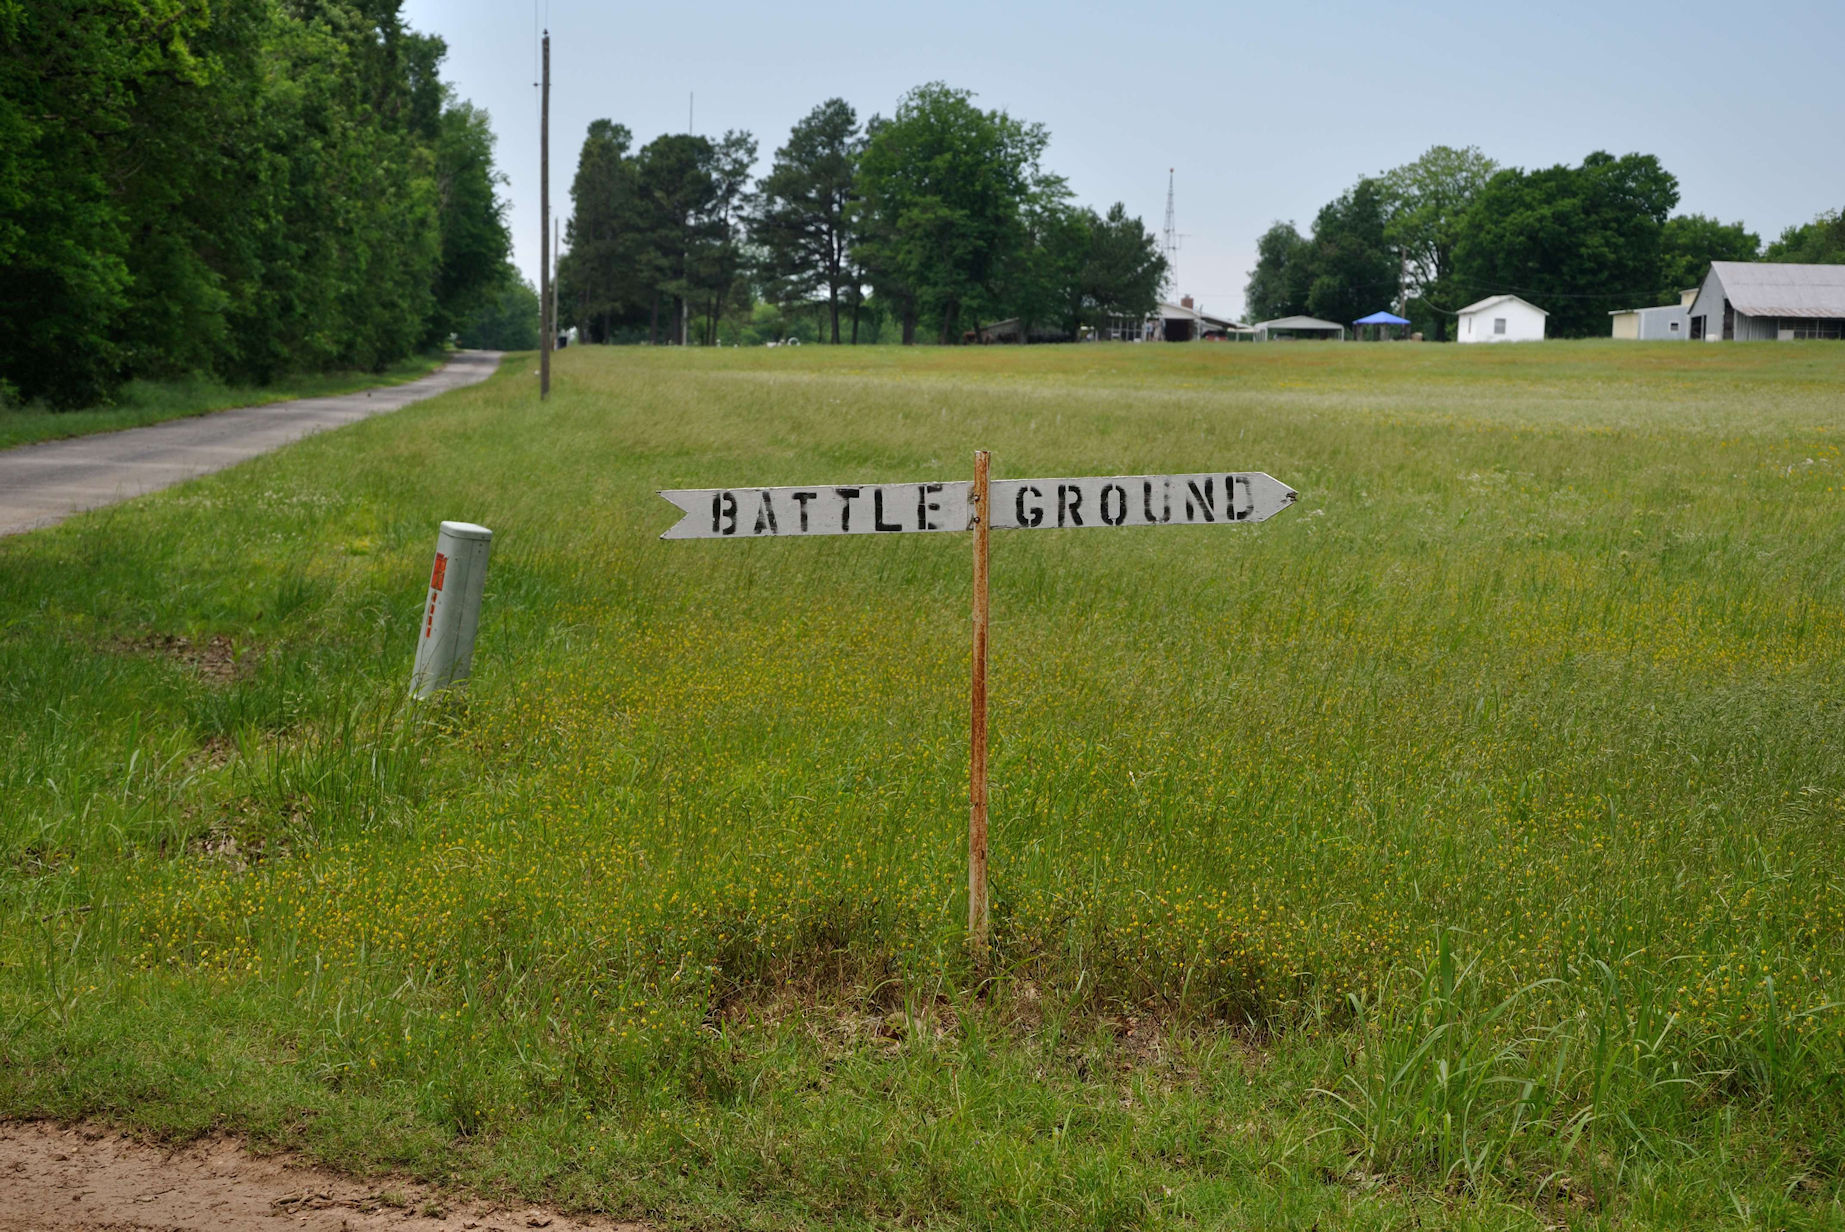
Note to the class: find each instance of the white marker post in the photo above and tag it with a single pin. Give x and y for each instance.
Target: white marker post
(445, 640)
(1202, 499)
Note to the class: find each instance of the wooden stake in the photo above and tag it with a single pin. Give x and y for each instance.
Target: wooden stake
(977, 925)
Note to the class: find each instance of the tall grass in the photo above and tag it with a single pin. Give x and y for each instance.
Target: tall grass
(1464, 838)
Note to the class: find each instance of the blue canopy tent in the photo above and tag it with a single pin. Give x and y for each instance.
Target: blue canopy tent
(1379, 319)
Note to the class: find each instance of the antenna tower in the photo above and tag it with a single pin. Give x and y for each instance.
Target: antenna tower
(1170, 242)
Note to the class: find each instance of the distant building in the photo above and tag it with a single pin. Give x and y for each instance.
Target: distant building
(1180, 322)
(1765, 301)
(1667, 323)
(1185, 322)
(1500, 318)
(1010, 330)
(1125, 329)
(1284, 328)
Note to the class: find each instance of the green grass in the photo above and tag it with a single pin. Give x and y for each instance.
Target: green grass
(1460, 847)
(147, 402)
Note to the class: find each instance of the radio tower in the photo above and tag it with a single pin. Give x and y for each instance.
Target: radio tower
(1171, 239)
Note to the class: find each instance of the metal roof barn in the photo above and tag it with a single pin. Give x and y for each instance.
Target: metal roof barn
(1768, 289)
(1767, 301)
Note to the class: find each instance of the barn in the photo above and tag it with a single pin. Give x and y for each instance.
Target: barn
(1500, 318)
(1766, 301)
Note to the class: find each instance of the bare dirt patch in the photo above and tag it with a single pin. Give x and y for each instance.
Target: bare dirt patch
(62, 1179)
(216, 659)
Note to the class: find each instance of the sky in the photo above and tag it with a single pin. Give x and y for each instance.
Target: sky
(1258, 115)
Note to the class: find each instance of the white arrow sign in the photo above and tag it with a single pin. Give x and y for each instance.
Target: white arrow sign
(822, 509)
(1007, 504)
(1018, 504)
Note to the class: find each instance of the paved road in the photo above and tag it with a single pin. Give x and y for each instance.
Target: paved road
(46, 483)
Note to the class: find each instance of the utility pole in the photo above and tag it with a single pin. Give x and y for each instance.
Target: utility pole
(685, 307)
(1402, 281)
(545, 308)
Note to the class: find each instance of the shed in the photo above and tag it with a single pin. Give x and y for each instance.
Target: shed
(1665, 323)
(1500, 318)
(1769, 301)
(1298, 327)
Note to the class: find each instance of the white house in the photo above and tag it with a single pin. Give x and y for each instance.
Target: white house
(1768, 301)
(1501, 318)
(1667, 323)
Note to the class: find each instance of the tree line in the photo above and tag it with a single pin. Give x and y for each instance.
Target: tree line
(937, 219)
(238, 187)
(1453, 227)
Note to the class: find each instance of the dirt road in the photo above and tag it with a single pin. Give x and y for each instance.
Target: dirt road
(55, 1179)
(46, 483)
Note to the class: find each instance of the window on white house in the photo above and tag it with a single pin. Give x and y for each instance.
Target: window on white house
(1499, 325)
(1674, 327)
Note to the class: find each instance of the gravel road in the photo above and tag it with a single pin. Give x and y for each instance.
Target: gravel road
(46, 483)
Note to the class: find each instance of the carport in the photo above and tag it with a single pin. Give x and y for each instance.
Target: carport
(1289, 328)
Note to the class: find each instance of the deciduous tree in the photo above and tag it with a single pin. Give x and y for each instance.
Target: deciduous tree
(943, 187)
(1820, 242)
(1425, 204)
(1579, 242)
(471, 217)
(1688, 243)
(1354, 269)
(1279, 284)
(506, 318)
(1123, 269)
(239, 186)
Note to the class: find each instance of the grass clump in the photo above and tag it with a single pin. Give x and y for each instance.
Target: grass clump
(1459, 845)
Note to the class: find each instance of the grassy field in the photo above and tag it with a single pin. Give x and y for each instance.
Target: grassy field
(1461, 848)
(145, 402)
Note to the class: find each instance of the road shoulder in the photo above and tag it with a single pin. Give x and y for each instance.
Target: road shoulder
(54, 1178)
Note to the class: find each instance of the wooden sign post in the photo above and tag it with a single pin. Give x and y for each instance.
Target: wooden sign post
(977, 725)
(1206, 498)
